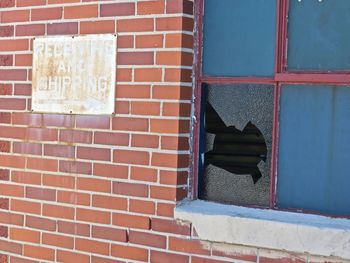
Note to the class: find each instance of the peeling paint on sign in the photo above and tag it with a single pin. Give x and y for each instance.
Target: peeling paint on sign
(74, 74)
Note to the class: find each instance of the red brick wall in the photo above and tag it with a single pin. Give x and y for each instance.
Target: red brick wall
(102, 188)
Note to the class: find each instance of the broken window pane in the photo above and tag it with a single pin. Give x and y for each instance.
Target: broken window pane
(231, 31)
(314, 147)
(318, 37)
(236, 143)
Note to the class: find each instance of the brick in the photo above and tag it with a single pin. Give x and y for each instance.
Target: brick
(12, 74)
(235, 252)
(75, 167)
(30, 30)
(111, 138)
(23, 89)
(4, 203)
(6, 31)
(73, 136)
(39, 252)
(109, 233)
(148, 74)
(170, 160)
(62, 1)
(151, 7)
(12, 103)
(5, 146)
(131, 157)
(97, 27)
(207, 260)
(146, 141)
(144, 174)
(130, 189)
(178, 40)
(46, 13)
(184, 6)
(135, 58)
(42, 164)
(59, 150)
(21, 260)
(171, 226)
(95, 185)
(12, 161)
(92, 246)
(95, 259)
(149, 41)
(40, 223)
(172, 92)
(26, 235)
(68, 28)
(142, 207)
(58, 211)
(130, 124)
(113, 171)
(189, 246)
(29, 119)
(174, 23)
(160, 257)
(25, 206)
(129, 252)
(42, 134)
(93, 122)
(125, 42)
(41, 193)
(175, 143)
(124, 74)
(58, 120)
(23, 60)
(108, 202)
(135, 25)
(80, 11)
(58, 181)
(6, 89)
(163, 193)
(147, 239)
(7, 3)
(117, 9)
(11, 190)
(57, 240)
(15, 16)
(166, 210)
(131, 221)
(178, 75)
(93, 153)
(73, 198)
(173, 178)
(93, 216)
(177, 109)
(14, 45)
(3, 232)
(175, 58)
(22, 3)
(4, 258)
(133, 91)
(5, 117)
(7, 246)
(145, 108)
(4, 174)
(66, 256)
(169, 126)
(11, 219)
(263, 259)
(73, 228)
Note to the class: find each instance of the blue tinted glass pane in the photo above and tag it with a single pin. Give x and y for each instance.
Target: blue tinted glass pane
(239, 37)
(314, 149)
(318, 35)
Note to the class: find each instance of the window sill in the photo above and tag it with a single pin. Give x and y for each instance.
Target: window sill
(294, 232)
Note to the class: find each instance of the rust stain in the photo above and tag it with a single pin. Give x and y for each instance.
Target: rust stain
(74, 75)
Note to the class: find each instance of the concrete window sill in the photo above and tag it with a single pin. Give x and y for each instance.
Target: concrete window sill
(294, 232)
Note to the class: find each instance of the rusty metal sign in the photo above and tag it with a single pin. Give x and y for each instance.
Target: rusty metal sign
(74, 74)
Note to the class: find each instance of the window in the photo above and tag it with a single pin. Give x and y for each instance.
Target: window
(273, 100)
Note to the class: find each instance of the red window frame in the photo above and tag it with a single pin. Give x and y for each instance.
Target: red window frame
(281, 76)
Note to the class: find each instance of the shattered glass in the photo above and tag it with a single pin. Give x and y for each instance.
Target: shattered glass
(238, 144)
